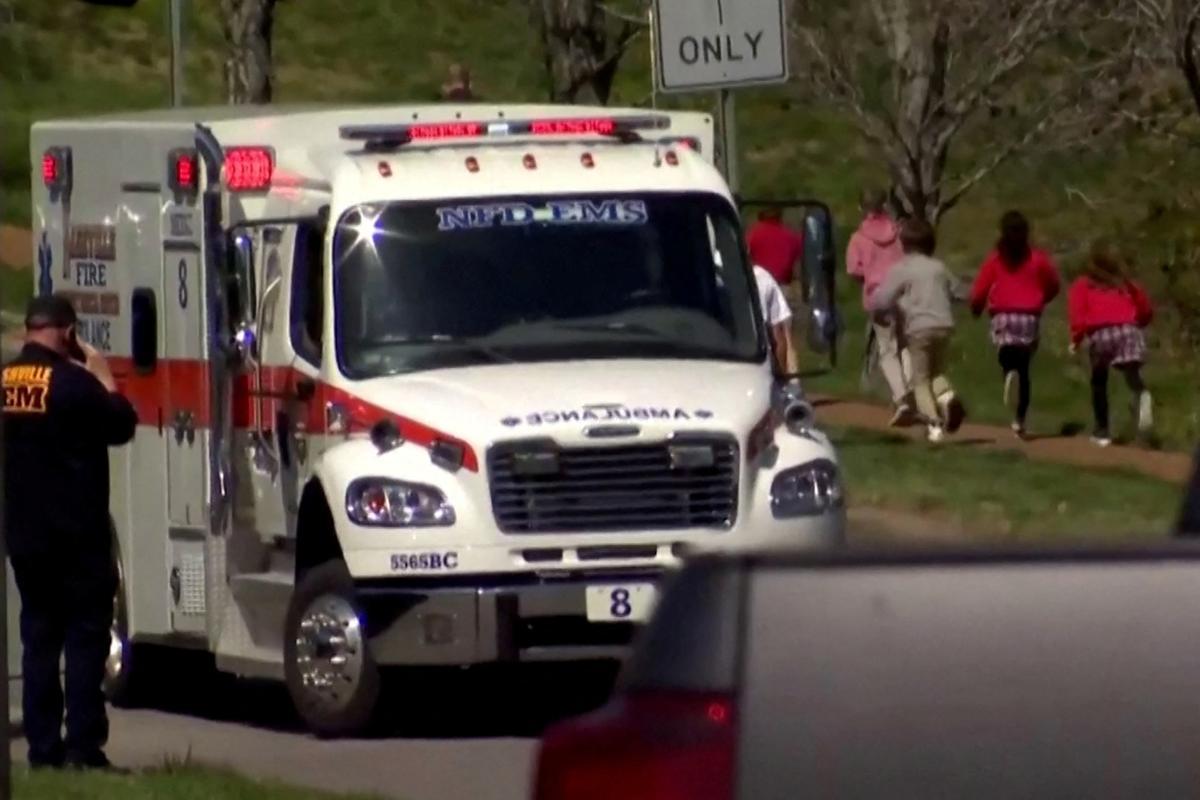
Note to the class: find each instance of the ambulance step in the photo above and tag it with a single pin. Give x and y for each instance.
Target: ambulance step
(262, 587)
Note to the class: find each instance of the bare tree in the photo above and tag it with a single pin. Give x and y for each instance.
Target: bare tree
(919, 76)
(583, 42)
(248, 66)
(1167, 34)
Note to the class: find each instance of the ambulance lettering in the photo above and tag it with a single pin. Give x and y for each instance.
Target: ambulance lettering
(554, 212)
(607, 414)
(97, 333)
(91, 274)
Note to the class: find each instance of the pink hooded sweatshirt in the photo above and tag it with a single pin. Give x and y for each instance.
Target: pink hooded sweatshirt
(874, 249)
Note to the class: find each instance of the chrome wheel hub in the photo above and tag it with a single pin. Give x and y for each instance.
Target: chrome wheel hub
(114, 664)
(329, 652)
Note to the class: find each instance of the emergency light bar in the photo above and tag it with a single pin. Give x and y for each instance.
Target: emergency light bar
(397, 135)
(249, 169)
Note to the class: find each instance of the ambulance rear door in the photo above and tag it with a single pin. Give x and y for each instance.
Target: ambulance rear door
(162, 229)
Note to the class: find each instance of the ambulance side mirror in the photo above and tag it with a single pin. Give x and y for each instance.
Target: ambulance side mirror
(819, 263)
(243, 311)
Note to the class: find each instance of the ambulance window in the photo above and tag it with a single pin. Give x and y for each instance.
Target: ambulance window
(308, 301)
(145, 331)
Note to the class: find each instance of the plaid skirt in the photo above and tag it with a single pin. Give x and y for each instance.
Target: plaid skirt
(1012, 329)
(1116, 345)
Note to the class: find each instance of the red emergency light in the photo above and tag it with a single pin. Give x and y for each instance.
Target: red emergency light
(689, 142)
(560, 127)
(446, 130)
(390, 136)
(249, 169)
(183, 171)
(56, 169)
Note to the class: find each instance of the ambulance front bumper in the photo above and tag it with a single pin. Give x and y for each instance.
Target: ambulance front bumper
(501, 618)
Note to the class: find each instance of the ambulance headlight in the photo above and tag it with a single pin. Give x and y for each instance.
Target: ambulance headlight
(383, 503)
(809, 490)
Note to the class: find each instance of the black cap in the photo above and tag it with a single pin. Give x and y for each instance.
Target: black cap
(49, 311)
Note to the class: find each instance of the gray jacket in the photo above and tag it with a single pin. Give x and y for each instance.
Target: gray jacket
(923, 291)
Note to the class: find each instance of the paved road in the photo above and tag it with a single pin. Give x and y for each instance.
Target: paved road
(465, 735)
(461, 735)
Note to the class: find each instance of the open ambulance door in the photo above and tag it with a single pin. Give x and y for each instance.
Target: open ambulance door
(818, 267)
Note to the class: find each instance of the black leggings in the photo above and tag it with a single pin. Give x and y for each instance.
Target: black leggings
(1133, 377)
(1015, 358)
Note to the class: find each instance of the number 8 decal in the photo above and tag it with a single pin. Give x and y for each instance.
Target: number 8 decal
(183, 288)
(620, 603)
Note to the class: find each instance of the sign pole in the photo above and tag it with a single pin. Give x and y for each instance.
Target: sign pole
(727, 130)
(6, 733)
(653, 58)
(175, 22)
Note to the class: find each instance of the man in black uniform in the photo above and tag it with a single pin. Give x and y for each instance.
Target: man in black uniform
(61, 414)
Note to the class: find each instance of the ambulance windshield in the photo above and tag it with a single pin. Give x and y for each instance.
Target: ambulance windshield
(455, 283)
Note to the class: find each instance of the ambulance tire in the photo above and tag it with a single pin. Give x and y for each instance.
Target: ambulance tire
(322, 622)
(122, 680)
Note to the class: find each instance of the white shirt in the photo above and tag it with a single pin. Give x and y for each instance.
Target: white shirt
(774, 305)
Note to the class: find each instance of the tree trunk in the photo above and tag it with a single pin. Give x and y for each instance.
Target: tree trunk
(1186, 58)
(920, 49)
(580, 53)
(248, 67)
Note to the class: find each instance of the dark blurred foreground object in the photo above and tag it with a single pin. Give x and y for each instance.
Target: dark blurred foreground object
(982, 675)
(1189, 519)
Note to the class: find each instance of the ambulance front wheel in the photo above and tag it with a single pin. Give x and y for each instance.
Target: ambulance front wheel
(331, 676)
(120, 683)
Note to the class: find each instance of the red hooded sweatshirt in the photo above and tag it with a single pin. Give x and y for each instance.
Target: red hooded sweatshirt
(1092, 305)
(874, 249)
(1024, 289)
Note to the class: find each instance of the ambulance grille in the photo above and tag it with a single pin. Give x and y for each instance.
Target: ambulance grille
(539, 487)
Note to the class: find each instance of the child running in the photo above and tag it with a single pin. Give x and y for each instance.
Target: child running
(1108, 311)
(874, 249)
(923, 291)
(1016, 282)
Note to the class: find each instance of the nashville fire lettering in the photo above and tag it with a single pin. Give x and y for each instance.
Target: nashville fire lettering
(25, 389)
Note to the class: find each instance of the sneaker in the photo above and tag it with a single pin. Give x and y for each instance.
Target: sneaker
(953, 411)
(1018, 429)
(903, 417)
(1145, 412)
(1101, 439)
(935, 434)
(1010, 389)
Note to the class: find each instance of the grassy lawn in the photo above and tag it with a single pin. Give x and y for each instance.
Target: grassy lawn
(15, 288)
(1061, 393)
(182, 783)
(70, 58)
(1003, 493)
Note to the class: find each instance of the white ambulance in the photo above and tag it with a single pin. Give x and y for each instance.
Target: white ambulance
(419, 385)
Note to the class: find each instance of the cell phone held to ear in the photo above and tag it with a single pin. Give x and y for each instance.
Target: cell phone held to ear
(73, 348)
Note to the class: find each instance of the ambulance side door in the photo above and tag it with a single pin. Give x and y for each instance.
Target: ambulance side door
(186, 401)
(301, 421)
(272, 246)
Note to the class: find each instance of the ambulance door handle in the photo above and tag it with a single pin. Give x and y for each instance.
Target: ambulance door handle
(184, 426)
(305, 389)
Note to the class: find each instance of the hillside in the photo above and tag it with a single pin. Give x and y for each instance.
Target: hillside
(68, 58)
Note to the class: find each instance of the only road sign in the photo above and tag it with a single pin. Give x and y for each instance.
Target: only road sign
(720, 44)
